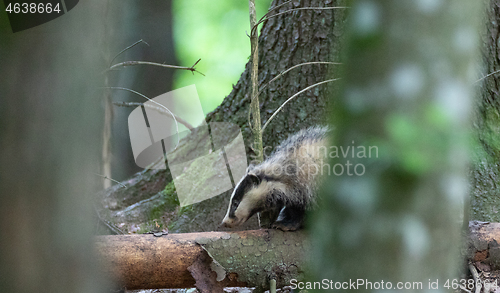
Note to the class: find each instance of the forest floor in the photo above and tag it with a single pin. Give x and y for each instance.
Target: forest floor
(481, 273)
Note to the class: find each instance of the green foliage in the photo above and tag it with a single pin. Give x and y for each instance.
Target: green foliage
(168, 203)
(170, 194)
(157, 211)
(216, 32)
(183, 212)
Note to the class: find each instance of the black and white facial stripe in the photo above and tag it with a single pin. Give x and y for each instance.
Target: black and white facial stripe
(285, 181)
(247, 183)
(254, 193)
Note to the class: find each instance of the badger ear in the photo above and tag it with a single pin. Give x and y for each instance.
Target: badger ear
(254, 179)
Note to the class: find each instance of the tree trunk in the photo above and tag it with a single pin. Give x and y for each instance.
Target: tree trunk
(50, 147)
(406, 95)
(485, 174)
(285, 41)
(150, 21)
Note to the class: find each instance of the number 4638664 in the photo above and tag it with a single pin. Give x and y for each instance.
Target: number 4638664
(469, 284)
(32, 8)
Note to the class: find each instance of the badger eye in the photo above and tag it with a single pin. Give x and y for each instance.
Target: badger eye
(235, 204)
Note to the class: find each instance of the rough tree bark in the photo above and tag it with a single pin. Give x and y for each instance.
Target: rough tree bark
(408, 89)
(286, 40)
(485, 173)
(213, 260)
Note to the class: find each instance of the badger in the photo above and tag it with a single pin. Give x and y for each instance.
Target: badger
(285, 185)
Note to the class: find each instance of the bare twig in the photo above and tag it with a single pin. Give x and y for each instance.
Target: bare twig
(116, 181)
(272, 285)
(106, 135)
(135, 104)
(111, 227)
(293, 67)
(464, 289)
(289, 99)
(262, 19)
(488, 75)
(132, 63)
(476, 277)
(153, 101)
(255, 125)
(254, 110)
(272, 10)
(291, 10)
(286, 71)
(128, 48)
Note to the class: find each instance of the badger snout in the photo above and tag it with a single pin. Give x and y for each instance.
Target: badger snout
(223, 225)
(230, 222)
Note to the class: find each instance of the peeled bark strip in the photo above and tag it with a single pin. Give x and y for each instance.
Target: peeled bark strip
(248, 258)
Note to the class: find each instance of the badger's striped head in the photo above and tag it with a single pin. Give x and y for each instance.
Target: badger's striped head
(243, 203)
(249, 197)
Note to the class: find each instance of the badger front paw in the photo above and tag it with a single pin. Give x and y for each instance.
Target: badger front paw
(286, 226)
(289, 219)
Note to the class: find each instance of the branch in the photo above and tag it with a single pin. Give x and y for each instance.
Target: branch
(293, 67)
(273, 9)
(475, 275)
(282, 73)
(128, 48)
(488, 75)
(255, 125)
(132, 63)
(111, 179)
(289, 99)
(155, 102)
(163, 112)
(110, 226)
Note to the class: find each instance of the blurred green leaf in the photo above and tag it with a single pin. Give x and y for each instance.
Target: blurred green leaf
(216, 32)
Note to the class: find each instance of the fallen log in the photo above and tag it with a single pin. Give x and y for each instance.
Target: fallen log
(211, 261)
(484, 243)
(208, 261)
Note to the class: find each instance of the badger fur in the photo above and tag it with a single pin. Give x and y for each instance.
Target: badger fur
(285, 184)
